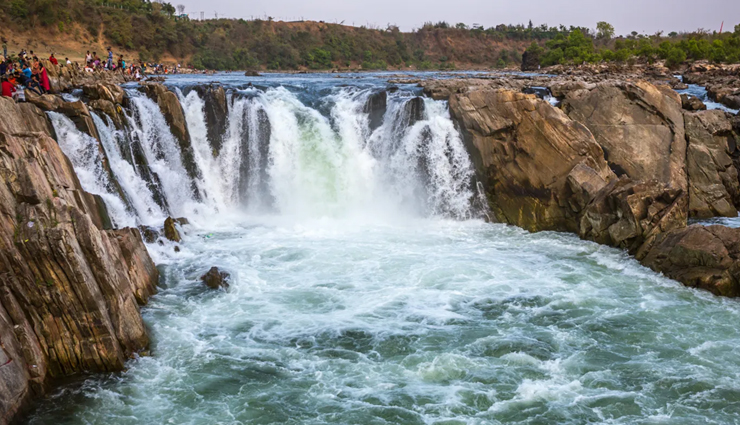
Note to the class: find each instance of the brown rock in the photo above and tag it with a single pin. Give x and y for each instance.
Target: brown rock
(524, 150)
(216, 111)
(22, 118)
(627, 213)
(692, 103)
(216, 279)
(104, 91)
(700, 257)
(639, 126)
(68, 288)
(713, 178)
(170, 230)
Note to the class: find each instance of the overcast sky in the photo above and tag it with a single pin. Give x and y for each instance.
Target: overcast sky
(644, 16)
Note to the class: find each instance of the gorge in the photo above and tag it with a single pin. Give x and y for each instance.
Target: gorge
(460, 252)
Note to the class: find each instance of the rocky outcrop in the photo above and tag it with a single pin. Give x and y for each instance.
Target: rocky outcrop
(692, 103)
(170, 230)
(216, 113)
(627, 213)
(700, 257)
(64, 77)
(713, 179)
(215, 279)
(375, 107)
(69, 290)
(22, 118)
(638, 125)
(524, 151)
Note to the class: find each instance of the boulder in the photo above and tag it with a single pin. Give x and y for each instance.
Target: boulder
(524, 150)
(638, 125)
(627, 213)
(252, 73)
(706, 257)
(216, 279)
(170, 230)
(46, 102)
(692, 103)
(104, 91)
(114, 111)
(713, 179)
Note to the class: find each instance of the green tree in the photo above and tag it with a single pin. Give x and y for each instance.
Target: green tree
(604, 30)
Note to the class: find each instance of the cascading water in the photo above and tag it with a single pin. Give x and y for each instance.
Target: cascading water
(88, 161)
(354, 299)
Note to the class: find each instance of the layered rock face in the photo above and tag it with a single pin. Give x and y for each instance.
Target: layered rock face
(69, 290)
(524, 150)
(713, 179)
(638, 125)
(626, 166)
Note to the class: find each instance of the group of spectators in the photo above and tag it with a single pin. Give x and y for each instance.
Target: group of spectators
(24, 72)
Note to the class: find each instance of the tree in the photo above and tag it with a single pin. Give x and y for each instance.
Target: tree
(604, 30)
(180, 9)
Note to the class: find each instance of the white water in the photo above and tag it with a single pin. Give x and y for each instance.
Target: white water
(87, 160)
(146, 209)
(354, 302)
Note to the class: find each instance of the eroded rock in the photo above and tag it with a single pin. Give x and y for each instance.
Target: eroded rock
(170, 230)
(216, 279)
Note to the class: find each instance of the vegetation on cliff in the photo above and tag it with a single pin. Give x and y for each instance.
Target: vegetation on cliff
(579, 47)
(154, 30)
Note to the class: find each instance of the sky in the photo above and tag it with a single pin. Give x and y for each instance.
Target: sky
(643, 16)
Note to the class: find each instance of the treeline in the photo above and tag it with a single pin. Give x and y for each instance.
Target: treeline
(579, 47)
(154, 30)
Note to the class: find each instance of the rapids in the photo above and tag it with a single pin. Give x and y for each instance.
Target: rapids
(365, 287)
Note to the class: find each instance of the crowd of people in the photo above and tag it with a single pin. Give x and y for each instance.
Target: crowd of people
(25, 72)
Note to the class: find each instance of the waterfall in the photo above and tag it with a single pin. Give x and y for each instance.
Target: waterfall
(88, 161)
(143, 201)
(354, 152)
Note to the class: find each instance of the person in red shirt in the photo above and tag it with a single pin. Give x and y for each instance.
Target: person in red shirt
(44, 78)
(53, 60)
(8, 87)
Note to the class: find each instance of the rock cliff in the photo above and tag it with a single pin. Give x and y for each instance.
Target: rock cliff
(69, 290)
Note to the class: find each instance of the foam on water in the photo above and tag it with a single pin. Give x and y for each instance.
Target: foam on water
(426, 321)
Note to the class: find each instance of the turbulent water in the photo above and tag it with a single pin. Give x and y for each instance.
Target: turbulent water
(366, 290)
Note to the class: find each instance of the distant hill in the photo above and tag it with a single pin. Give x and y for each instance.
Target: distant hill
(152, 31)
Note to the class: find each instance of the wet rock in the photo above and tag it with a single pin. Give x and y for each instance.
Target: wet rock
(182, 221)
(149, 234)
(115, 112)
(638, 125)
(252, 73)
(713, 178)
(170, 230)
(216, 113)
(375, 107)
(524, 150)
(216, 279)
(692, 103)
(700, 257)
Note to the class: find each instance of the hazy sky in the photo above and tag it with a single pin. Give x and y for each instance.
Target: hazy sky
(644, 16)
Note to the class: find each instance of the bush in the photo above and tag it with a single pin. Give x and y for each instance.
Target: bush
(675, 58)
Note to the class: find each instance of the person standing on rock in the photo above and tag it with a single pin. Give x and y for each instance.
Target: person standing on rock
(88, 57)
(110, 59)
(5, 48)
(53, 60)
